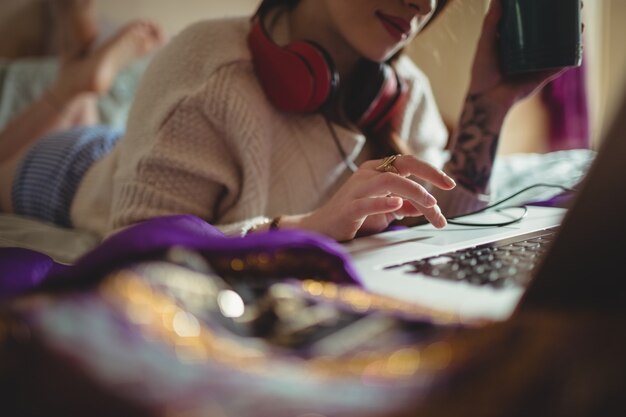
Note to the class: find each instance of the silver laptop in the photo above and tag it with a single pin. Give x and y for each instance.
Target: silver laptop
(481, 273)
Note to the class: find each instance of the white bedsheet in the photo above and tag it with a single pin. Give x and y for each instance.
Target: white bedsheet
(63, 245)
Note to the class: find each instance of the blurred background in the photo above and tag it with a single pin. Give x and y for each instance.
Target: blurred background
(443, 51)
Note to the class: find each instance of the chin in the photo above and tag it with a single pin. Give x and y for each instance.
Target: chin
(379, 54)
(384, 57)
(378, 51)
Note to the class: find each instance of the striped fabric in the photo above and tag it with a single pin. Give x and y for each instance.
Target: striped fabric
(45, 183)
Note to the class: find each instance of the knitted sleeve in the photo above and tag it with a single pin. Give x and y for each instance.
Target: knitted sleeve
(208, 159)
(184, 171)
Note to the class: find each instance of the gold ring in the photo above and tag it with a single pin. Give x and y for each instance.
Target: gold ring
(387, 164)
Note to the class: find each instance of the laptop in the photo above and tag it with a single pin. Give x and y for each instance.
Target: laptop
(470, 271)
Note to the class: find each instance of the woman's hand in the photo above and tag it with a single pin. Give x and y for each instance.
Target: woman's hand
(487, 78)
(370, 200)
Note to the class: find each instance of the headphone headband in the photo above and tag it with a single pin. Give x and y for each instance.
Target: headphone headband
(301, 78)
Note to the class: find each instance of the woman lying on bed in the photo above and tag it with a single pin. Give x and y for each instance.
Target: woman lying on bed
(224, 128)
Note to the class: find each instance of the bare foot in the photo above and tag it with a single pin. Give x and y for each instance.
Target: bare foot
(75, 25)
(96, 72)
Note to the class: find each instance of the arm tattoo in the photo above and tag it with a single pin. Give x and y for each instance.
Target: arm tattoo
(475, 146)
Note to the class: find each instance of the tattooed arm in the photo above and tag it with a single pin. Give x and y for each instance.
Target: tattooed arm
(476, 142)
(491, 95)
(473, 151)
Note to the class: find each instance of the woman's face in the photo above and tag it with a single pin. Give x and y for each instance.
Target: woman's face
(377, 29)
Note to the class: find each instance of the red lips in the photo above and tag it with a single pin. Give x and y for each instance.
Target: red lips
(398, 28)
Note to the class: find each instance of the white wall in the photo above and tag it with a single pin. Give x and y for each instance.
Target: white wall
(445, 51)
(605, 34)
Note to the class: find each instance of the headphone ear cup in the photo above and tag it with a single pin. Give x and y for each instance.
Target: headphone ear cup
(297, 78)
(374, 96)
(325, 78)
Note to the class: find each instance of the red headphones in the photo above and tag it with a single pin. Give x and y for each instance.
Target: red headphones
(300, 78)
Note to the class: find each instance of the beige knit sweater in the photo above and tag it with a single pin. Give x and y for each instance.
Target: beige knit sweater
(202, 139)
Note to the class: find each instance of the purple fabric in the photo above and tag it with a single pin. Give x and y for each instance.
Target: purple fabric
(563, 200)
(566, 101)
(23, 270)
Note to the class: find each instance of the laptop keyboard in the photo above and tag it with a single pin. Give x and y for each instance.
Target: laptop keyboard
(501, 263)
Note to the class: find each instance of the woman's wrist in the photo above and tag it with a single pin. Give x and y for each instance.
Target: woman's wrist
(491, 107)
(307, 221)
(475, 143)
(267, 224)
(293, 221)
(499, 98)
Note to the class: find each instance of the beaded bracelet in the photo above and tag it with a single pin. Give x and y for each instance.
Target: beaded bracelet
(273, 225)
